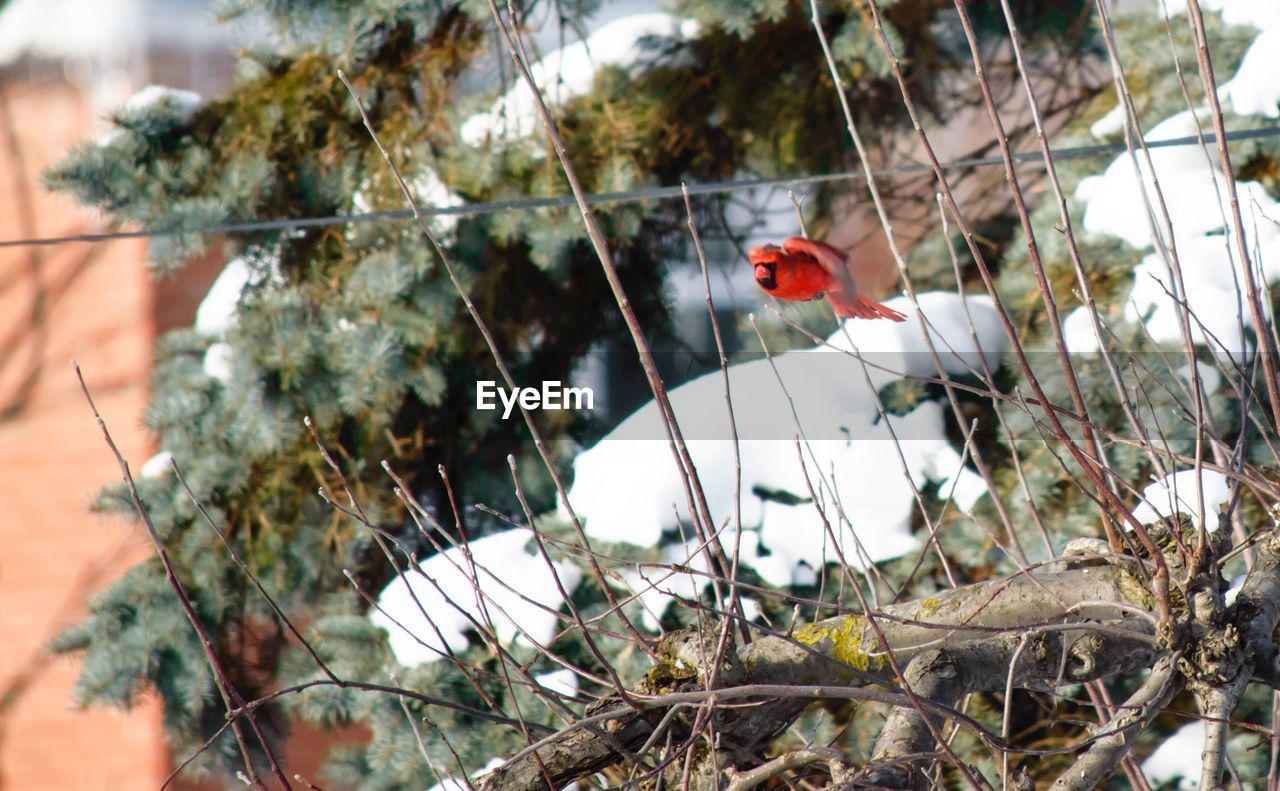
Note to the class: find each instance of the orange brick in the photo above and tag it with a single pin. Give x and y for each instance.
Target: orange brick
(95, 305)
(99, 305)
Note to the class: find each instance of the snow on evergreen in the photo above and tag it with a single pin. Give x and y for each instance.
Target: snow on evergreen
(180, 107)
(1179, 493)
(627, 488)
(560, 682)
(1262, 14)
(424, 611)
(429, 192)
(217, 314)
(1255, 90)
(1177, 757)
(1116, 204)
(1116, 200)
(904, 348)
(570, 71)
(156, 466)
(217, 311)
(1109, 124)
(184, 103)
(217, 361)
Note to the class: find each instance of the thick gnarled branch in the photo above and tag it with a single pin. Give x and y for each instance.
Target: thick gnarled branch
(1081, 624)
(1119, 734)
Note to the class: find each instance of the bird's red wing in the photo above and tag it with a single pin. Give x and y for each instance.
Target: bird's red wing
(833, 260)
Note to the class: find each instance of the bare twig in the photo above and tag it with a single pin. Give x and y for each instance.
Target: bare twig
(702, 519)
(226, 689)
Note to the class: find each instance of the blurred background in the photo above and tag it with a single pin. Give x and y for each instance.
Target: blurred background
(64, 64)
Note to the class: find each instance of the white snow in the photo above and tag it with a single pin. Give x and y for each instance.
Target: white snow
(1215, 288)
(1109, 124)
(218, 360)
(156, 466)
(187, 103)
(627, 488)
(1255, 90)
(1233, 590)
(963, 487)
(751, 608)
(1210, 377)
(454, 784)
(1178, 493)
(514, 584)
(217, 311)
(570, 71)
(563, 682)
(658, 586)
(429, 192)
(1078, 333)
(904, 348)
(1262, 14)
(1177, 756)
(873, 494)
(1116, 201)
(217, 314)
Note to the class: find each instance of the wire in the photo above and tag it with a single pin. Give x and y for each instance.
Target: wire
(630, 196)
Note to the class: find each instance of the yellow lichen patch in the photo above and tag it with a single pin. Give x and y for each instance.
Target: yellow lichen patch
(669, 675)
(927, 608)
(846, 642)
(811, 634)
(1135, 591)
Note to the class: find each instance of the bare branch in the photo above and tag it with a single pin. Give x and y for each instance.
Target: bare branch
(225, 687)
(792, 759)
(1101, 759)
(974, 630)
(932, 675)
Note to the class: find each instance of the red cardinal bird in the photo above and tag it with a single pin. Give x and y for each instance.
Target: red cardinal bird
(802, 269)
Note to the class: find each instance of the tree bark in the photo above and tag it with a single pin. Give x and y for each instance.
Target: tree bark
(1081, 626)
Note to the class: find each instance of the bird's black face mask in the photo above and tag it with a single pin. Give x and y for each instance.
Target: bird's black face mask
(767, 276)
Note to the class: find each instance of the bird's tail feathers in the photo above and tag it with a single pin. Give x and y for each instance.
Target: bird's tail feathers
(862, 307)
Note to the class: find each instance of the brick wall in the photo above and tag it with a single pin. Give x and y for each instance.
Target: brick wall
(97, 303)
(93, 303)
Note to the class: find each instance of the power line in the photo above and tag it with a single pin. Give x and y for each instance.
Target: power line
(604, 198)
